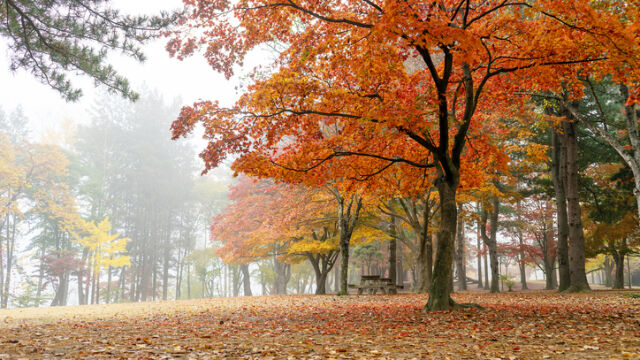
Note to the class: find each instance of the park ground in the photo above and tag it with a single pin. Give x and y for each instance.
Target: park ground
(518, 325)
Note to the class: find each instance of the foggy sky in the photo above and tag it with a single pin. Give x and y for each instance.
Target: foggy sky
(187, 80)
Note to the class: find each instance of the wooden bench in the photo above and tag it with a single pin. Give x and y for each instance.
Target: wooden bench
(373, 283)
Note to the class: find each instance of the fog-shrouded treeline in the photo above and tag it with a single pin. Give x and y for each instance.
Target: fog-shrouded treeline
(109, 209)
(105, 209)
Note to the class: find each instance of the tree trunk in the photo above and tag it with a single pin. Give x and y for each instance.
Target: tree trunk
(246, 279)
(235, 277)
(392, 253)
(321, 280)
(491, 242)
(618, 258)
(629, 273)
(548, 274)
(577, 274)
(11, 241)
(40, 276)
(558, 173)
(154, 281)
(608, 268)
(107, 297)
(283, 273)
(321, 284)
(179, 271)
(336, 275)
(425, 253)
(145, 278)
(521, 263)
(486, 269)
(188, 281)
(462, 271)
(165, 271)
(121, 282)
(479, 256)
(347, 219)
(97, 286)
(440, 288)
(399, 268)
(344, 262)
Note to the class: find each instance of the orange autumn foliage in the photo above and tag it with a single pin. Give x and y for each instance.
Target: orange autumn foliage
(363, 87)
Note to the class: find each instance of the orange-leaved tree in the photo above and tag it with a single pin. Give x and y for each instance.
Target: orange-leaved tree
(382, 84)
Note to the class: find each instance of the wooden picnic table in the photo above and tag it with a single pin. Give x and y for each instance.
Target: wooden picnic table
(373, 283)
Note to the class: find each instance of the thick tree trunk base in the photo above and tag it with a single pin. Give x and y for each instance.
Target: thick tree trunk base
(577, 289)
(444, 305)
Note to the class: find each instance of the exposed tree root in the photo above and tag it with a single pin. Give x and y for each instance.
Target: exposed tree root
(470, 306)
(577, 289)
(450, 305)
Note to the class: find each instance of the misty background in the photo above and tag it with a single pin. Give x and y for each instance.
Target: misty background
(121, 166)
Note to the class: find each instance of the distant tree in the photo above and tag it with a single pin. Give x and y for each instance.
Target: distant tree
(612, 222)
(131, 172)
(106, 250)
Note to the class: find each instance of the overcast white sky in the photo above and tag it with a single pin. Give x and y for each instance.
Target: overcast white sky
(188, 80)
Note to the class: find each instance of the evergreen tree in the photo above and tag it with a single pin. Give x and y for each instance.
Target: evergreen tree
(55, 38)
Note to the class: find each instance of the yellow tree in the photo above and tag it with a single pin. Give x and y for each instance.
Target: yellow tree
(32, 183)
(105, 250)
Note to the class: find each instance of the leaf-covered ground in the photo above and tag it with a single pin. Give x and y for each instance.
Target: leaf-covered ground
(514, 325)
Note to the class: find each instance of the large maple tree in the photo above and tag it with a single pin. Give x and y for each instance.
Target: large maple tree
(363, 86)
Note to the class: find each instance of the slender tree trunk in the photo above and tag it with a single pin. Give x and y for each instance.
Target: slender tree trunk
(235, 282)
(188, 281)
(479, 255)
(493, 249)
(521, 263)
(577, 274)
(336, 275)
(399, 268)
(40, 274)
(629, 273)
(246, 279)
(121, 284)
(491, 242)
(108, 293)
(392, 253)
(97, 286)
(165, 271)
(2, 252)
(145, 278)
(11, 241)
(548, 274)
(347, 218)
(344, 262)
(179, 270)
(91, 280)
(425, 253)
(486, 269)
(558, 173)
(154, 278)
(554, 274)
(462, 271)
(618, 258)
